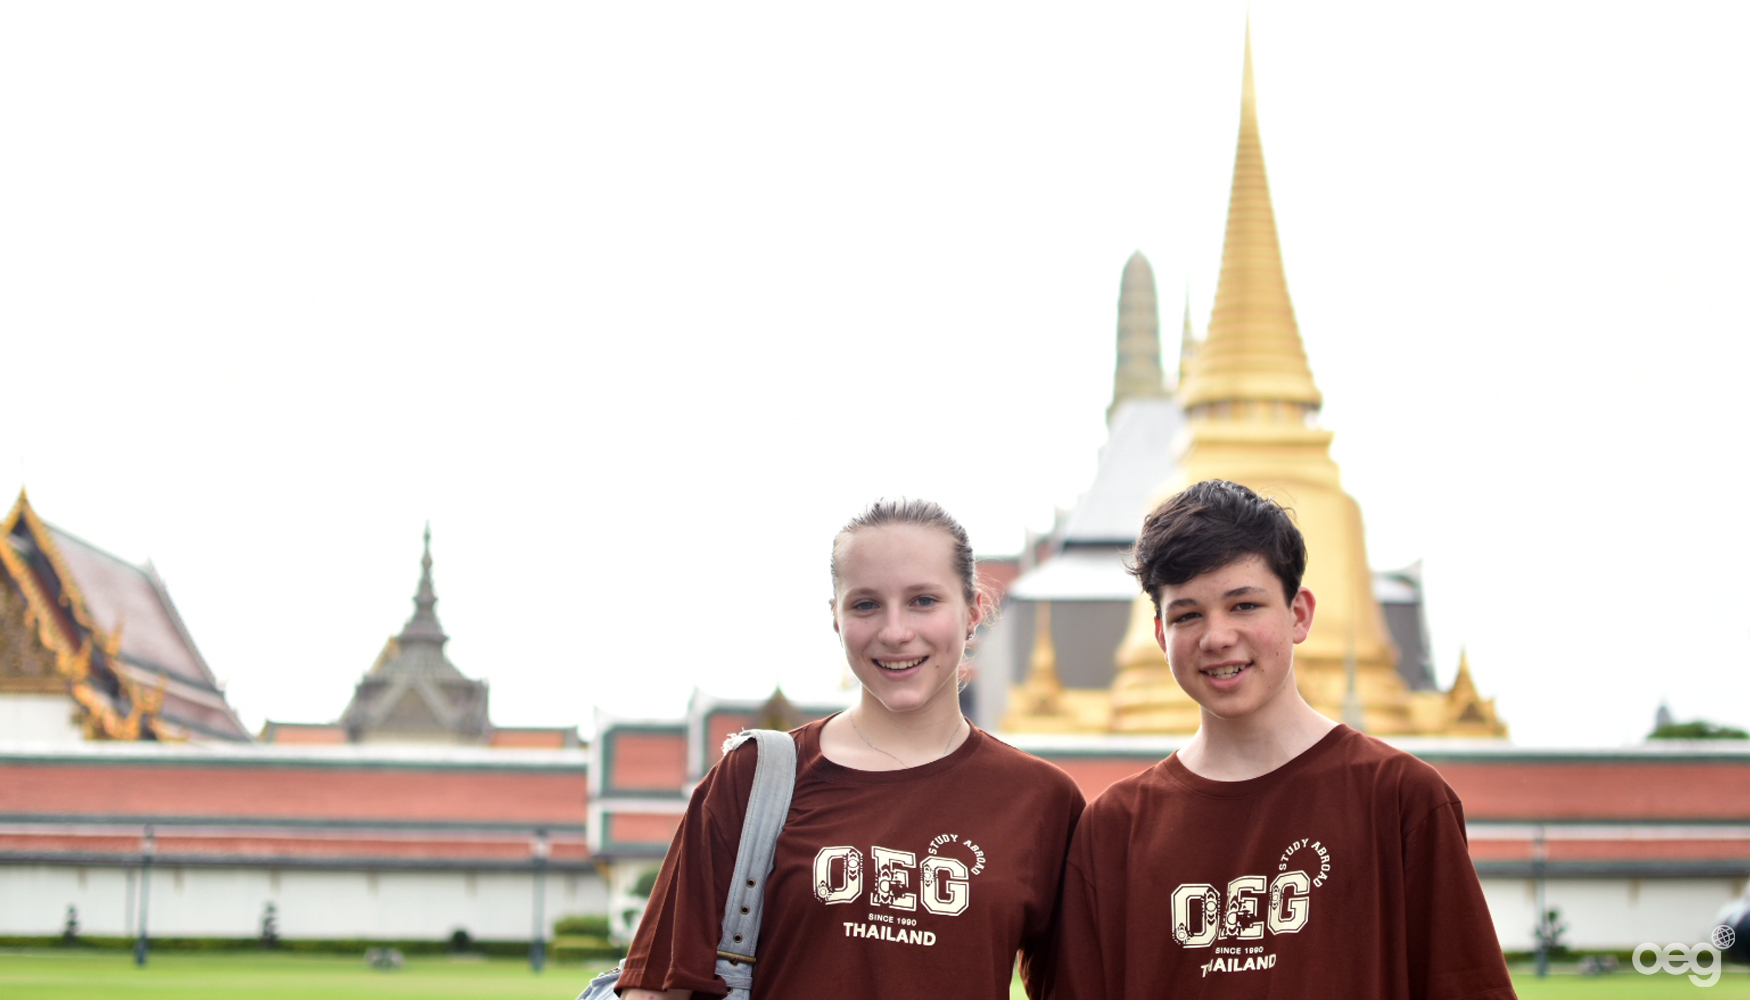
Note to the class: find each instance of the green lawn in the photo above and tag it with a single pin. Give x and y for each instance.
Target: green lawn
(1563, 984)
(57, 975)
(49, 974)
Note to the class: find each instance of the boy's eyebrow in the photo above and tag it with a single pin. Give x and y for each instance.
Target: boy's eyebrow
(1236, 592)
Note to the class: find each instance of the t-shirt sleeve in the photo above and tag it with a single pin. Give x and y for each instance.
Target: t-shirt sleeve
(1081, 966)
(1454, 953)
(1040, 950)
(676, 943)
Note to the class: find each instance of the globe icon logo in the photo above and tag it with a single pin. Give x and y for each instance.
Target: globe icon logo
(1724, 937)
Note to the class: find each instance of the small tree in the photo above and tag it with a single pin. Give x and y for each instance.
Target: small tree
(70, 930)
(270, 927)
(1550, 930)
(641, 889)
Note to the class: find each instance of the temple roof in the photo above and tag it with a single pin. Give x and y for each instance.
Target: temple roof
(122, 649)
(1137, 458)
(414, 692)
(132, 600)
(1087, 574)
(1143, 423)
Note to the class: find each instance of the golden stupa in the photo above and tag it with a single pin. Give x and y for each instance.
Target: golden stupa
(1250, 409)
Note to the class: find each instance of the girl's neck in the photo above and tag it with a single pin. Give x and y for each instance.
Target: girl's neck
(871, 738)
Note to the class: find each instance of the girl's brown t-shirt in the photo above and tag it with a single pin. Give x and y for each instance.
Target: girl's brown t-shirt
(920, 882)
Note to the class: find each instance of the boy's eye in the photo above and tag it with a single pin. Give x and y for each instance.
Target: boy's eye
(1246, 606)
(1187, 616)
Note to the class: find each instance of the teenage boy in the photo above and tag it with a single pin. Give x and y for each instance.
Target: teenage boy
(1277, 853)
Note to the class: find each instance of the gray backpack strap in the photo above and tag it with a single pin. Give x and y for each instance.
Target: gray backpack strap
(768, 803)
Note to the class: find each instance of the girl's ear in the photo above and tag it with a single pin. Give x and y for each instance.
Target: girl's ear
(833, 604)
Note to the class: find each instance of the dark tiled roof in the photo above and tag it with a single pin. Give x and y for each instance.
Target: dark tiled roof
(155, 644)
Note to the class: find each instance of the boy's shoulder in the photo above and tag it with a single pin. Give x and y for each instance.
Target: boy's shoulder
(1385, 764)
(1357, 766)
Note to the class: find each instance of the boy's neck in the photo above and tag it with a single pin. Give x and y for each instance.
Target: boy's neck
(1253, 746)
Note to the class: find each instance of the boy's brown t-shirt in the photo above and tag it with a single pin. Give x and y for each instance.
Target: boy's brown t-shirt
(923, 882)
(1343, 874)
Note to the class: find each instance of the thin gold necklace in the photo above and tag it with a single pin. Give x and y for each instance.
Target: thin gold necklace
(853, 717)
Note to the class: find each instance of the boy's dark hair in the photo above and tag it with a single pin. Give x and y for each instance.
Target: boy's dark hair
(1212, 524)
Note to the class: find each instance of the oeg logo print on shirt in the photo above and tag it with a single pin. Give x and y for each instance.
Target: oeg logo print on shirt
(896, 880)
(1282, 905)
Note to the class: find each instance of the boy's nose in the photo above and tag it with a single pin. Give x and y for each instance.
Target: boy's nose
(1219, 634)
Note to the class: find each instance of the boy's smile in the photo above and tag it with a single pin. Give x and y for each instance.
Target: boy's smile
(1229, 635)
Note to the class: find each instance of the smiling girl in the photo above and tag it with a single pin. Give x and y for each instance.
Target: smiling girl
(920, 854)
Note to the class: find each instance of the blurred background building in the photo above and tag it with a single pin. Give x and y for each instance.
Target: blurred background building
(410, 818)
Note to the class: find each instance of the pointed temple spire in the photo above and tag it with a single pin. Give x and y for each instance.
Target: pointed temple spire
(423, 626)
(1138, 374)
(1042, 693)
(1252, 352)
(1248, 396)
(1187, 341)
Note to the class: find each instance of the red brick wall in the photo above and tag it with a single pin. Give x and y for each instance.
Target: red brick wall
(648, 761)
(402, 794)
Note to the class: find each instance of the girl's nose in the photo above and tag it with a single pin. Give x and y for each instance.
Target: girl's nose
(894, 628)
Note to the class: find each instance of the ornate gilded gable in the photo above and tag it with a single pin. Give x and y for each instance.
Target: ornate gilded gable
(26, 665)
(51, 644)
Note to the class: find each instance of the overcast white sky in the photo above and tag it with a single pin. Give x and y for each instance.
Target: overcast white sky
(637, 303)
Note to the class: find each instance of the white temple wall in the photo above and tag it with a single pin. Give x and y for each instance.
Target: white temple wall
(1613, 914)
(229, 902)
(1601, 914)
(38, 718)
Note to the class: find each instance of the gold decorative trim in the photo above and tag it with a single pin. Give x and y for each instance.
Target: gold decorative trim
(73, 652)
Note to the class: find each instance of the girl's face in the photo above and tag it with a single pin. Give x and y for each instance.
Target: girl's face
(901, 611)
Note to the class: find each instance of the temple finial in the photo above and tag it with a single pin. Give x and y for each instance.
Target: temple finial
(1252, 352)
(1138, 374)
(423, 626)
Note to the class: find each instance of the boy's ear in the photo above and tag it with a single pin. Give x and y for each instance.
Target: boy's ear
(1302, 609)
(1160, 633)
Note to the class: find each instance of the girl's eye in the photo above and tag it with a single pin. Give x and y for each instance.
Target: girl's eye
(927, 601)
(863, 606)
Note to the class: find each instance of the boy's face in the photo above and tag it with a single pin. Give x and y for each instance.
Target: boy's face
(1229, 636)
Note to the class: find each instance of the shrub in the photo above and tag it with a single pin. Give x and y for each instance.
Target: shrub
(590, 925)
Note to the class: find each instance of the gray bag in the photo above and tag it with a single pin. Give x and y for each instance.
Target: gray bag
(768, 802)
